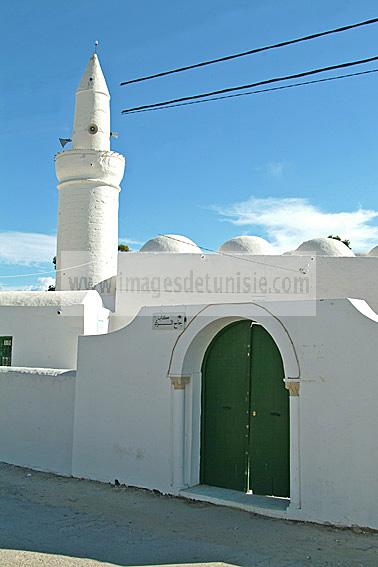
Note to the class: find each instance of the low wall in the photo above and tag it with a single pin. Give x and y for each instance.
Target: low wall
(36, 418)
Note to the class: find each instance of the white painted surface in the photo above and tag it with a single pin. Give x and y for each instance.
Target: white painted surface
(122, 410)
(121, 417)
(36, 418)
(44, 299)
(45, 326)
(128, 424)
(92, 111)
(338, 419)
(373, 251)
(324, 247)
(246, 244)
(204, 324)
(173, 279)
(173, 243)
(89, 176)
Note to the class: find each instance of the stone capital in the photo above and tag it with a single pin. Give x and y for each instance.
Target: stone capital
(293, 387)
(179, 382)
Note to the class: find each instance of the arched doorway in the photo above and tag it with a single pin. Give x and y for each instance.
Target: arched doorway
(245, 412)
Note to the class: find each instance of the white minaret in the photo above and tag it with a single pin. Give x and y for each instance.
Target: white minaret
(89, 176)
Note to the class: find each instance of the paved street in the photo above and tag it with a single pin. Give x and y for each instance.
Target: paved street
(59, 522)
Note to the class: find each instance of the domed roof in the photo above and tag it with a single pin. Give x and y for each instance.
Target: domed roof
(373, 251)
(247, 245)
(174, 243)
(323, 247)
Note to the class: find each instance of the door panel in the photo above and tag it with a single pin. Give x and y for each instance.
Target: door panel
(269, 430)
(225, 408)
(245, 413)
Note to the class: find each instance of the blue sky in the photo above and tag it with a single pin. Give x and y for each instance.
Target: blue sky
(288, 166)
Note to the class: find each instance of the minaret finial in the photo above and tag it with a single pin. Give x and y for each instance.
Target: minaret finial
(95, 46)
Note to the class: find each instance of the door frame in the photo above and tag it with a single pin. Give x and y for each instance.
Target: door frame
(186, 381)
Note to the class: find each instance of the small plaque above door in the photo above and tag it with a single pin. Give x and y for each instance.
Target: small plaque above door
(168, 321)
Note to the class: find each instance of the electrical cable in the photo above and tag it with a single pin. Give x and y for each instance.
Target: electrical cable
(252, 51)
(51, 271)
(272, 89)
(252, 85)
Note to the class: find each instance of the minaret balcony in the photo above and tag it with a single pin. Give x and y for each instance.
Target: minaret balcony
(96, 166)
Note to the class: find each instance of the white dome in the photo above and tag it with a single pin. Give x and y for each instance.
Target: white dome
(174, 243)
(373, 251)
(323, 247)
(247, 245)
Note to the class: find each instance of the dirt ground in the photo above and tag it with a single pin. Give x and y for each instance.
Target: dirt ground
(52, 521)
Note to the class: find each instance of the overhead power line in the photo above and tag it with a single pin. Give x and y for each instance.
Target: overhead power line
(271, 89)
(251, 85)
(252, 51)
(52, 271)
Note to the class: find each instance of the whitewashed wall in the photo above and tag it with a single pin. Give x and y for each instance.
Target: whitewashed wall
(338, 418)
(36, 418)
(123, 407)
(124, 410)
(327, 277)
(126, 422)
(45, 326)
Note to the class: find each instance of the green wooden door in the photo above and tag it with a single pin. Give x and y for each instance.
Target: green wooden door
(268, 451)
(5, 351)
(245, 413)
(225, 408)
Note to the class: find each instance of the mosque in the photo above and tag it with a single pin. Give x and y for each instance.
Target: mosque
(240, 377)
